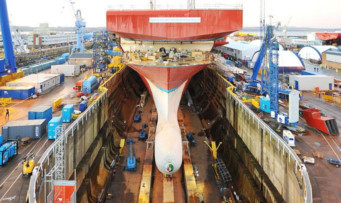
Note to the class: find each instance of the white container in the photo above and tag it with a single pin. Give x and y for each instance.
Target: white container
(289, 138)
(42, 82)
(66, 69)
(310, 82)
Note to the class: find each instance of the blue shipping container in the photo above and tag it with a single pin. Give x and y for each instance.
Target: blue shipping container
(1, 140)
(60, 60)
(62, 78)
(7, 151)
(90, 85)
(40, 112)
(82, 106)
(54, 123)
(264, 104)
(17, 92)
(67, 113)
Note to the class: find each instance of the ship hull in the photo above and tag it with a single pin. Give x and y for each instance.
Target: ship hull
(174, 25)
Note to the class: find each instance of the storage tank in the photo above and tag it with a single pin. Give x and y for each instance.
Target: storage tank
(89, 85)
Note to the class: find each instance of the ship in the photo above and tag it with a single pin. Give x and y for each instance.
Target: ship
(166, 48)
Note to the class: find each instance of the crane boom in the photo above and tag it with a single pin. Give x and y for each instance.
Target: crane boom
(7, 65)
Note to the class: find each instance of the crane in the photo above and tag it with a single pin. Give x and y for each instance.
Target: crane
(7, 65)
(80, 25)
(267, 61)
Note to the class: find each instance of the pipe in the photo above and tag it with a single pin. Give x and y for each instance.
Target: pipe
(7, 38)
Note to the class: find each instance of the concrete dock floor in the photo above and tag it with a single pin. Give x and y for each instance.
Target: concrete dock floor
(125, 185)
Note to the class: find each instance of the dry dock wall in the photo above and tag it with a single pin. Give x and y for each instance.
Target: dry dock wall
(278, 161)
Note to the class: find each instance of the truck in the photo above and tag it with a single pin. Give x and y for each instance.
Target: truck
(289, 138)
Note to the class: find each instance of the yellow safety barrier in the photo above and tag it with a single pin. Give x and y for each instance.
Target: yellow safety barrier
(5, 101)
(57, 103)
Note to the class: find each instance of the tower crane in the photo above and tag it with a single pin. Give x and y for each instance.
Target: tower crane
(80, 25)
(7, 65)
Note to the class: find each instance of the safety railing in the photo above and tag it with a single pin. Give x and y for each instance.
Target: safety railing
(36, 178)
(177, 4)
(275, 136)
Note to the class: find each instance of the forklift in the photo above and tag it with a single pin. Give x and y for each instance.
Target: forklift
(28, 165)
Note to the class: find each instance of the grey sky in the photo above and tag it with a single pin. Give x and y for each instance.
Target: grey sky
(305, 13)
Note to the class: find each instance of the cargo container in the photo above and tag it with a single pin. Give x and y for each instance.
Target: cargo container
(66, 69)
(38, 67)
(264, 104)
(7, 151)
(19, 92)
(15, 130)
(1, 140)
(67, 113)
(89, 85)
(42, 82)
(41, 112)
(311, 82)
(54, 124)
(60, 60)
(82, 106)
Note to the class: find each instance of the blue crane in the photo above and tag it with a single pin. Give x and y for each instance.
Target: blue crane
(268, 61)
(7, 65)
(80, 24)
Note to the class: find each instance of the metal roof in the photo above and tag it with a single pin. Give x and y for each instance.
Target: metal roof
(81, 55)
(241, 46)
(333, 52)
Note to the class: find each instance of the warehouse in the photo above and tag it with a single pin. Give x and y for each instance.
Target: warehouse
(332, 59)
(314, 52)
(42, 82)
(311, 82)
(241, 50)
(288, 61)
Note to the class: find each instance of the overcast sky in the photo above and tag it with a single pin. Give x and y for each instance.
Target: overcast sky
(303, 13)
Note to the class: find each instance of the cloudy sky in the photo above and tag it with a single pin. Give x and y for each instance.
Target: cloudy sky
(303, 13)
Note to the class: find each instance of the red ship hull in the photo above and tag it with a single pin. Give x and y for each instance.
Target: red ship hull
(161, 24)
(167, 78)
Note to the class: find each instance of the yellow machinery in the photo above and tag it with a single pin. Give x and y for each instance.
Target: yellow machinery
(5, 101)
(28, 165)
(57, 103)
(116, 62)
(214, 149)
(253, 101)
(122, 142)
